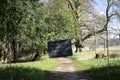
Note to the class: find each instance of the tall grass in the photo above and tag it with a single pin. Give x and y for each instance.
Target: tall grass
(98, 68)
(37, 70)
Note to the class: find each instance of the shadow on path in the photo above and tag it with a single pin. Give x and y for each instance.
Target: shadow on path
(67, 70)
(78, 75)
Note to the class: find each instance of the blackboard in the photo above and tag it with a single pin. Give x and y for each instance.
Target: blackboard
(59, 48)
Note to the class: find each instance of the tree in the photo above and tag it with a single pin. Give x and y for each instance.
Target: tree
(61, 22)
(75, 4)
(20, 21)
(9, 19)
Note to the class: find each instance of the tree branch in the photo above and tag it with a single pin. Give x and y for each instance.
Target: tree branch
(91, 34)
(106, 24)
(70, 5)
(74, 9)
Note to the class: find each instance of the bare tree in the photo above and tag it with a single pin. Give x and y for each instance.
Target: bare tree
(79, 11)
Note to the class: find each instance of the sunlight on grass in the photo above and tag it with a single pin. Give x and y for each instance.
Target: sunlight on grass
(98, 68)
(45, 64)
(37, 70)
(84, 55)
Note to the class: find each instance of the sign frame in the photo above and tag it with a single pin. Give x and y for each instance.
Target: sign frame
(60, 48)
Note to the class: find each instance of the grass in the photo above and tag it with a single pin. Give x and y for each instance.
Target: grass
(98, 68)
(37, 70)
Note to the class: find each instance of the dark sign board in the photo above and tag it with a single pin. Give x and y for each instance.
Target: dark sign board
(60, 48)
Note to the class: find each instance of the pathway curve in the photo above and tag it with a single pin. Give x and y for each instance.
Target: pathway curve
(66, 70)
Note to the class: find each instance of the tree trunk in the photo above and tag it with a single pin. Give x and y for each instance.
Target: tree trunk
(35, 56)
(8, 52)
(119, 36)
(4, 51)
(14, 50)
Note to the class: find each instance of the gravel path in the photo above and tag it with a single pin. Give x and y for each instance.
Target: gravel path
(66, 70)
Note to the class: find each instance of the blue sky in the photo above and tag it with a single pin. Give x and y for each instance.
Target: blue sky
(43, 0)
(101, 8)
(100, 4)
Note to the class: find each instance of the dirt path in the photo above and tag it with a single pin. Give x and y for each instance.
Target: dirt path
(66, 70)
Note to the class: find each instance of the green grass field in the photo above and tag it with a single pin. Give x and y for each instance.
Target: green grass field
(98, 68)
(37, 70)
